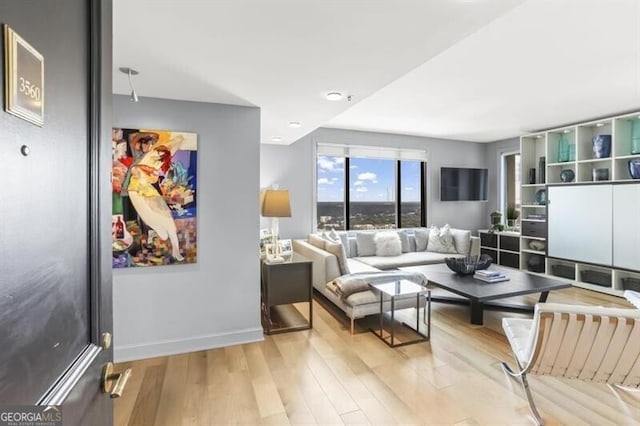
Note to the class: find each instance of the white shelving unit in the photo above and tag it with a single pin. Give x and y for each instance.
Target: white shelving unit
(582, 162)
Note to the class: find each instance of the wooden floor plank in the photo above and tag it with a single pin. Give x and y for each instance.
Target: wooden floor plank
(327, 376)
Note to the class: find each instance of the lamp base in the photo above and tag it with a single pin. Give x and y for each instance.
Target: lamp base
(277, 259)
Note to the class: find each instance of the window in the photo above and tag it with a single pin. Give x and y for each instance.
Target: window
(511, 204)
(359, 192)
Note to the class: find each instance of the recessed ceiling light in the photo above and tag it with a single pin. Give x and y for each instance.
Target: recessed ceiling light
(599, 124)
(334, 96)
(567, 131)
(294, 124)
(539, 137)
(276, 139)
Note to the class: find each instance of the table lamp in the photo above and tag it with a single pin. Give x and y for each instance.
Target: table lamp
(275, 204)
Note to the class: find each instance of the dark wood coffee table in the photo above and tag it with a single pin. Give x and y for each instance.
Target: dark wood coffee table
(478, 294)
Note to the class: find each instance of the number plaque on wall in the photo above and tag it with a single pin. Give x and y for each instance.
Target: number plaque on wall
(23, 78)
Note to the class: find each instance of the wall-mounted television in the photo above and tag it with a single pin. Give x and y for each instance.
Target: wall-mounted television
(459, 184)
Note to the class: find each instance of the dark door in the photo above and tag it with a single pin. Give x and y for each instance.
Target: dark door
(55, 278)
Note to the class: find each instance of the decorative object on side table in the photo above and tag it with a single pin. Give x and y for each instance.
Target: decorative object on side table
(275, 204)
(541, 197)
(634, 168)
(512, 217)
(602, 146)
(468, 265)
(600, 174)
(567, 175)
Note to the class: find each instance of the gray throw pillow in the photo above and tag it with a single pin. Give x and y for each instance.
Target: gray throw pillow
(422, 238)
(404, 241)
(366, 243)
(338, 250)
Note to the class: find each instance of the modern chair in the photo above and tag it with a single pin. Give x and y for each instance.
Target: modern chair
(589, 343)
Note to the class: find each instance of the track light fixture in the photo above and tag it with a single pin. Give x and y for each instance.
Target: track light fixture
(130, 72)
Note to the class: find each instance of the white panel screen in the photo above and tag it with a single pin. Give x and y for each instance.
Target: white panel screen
(580, 223)
(626, 226)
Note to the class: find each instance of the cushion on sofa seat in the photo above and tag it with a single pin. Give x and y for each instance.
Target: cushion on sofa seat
(406, 259)
(461, 240)
(355, 267)
(366, 243)
(388, 243)
(422, 238)
(441, 240)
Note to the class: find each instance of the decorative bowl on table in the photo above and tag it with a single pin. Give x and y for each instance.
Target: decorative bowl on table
(468, 265)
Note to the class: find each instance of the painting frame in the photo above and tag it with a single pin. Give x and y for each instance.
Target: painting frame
(154, 197)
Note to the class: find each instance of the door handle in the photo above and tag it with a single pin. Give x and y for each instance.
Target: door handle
(114, 383)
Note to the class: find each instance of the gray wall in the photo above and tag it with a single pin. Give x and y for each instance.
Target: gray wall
(215, 302)
(292, 167)
(493, 154)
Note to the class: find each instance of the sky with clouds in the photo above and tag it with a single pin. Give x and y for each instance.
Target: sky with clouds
(370, 179)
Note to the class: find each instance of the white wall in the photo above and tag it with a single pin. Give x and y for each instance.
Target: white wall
(215, 302)
(292, 167)
(494, 152)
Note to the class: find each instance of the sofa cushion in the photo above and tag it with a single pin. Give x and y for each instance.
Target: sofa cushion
(388, 243)
(356, 266)
(422, 238)
(317, 240)
(441, 240)
(404, 241)
(406, 259)
(338, 251)
(366, 243)
(461, 240)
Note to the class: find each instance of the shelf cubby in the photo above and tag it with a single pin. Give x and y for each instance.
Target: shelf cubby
(586, 168)
(554, 170)
(622, 134)
(553, 143)
(586, 133)
(533, 150)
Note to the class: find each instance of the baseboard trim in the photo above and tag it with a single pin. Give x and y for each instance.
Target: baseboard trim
(192, 344)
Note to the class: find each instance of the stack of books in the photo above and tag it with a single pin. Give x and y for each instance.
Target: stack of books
(490, 276)
(537, 216)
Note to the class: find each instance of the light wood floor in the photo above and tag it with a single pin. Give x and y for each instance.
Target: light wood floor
(327, 376)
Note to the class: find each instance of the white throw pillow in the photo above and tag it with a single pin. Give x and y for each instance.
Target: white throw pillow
(462, 240)
(388, 243)
(441, 240)
(365, 243)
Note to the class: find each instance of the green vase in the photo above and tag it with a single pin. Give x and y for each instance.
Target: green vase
(563, 149)
(635, 136)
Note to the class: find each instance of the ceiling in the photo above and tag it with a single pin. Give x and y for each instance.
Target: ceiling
(478, 70)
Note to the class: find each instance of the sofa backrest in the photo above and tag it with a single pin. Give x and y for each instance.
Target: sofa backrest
(461, 239)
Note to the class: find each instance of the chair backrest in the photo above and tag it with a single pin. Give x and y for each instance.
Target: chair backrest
(590, 343)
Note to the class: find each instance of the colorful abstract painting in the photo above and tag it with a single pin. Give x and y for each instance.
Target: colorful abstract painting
(154, 186)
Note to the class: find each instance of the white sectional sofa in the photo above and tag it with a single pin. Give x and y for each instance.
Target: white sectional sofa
(359, 258)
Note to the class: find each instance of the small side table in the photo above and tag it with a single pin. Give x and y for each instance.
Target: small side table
(397, 289)
(286, 283)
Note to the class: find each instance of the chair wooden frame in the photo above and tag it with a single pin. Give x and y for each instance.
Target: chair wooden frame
(589, 343)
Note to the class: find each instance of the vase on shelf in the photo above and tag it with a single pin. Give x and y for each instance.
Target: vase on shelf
(602, 146)
(532, 175)
(567, 175)
(542, 164)
(563, 149)
(634, 168)
(600, 174)
(635, 136)
(572, 152)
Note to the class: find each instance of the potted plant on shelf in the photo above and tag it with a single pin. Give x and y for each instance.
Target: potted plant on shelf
(512, 217)
(496, 221)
